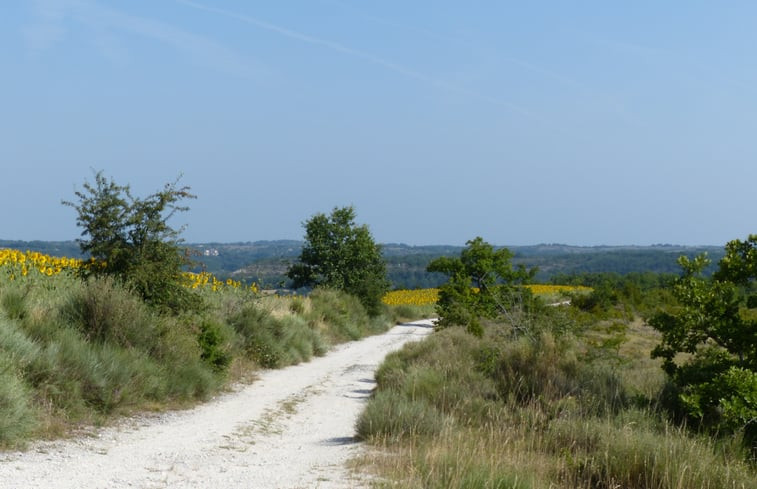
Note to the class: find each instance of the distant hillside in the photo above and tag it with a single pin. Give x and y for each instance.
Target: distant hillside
(266, 262)
(52, 248)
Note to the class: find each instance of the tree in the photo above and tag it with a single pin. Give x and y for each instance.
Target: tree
(129, 238)
(715, 328)
(342, 255)
(482, 284)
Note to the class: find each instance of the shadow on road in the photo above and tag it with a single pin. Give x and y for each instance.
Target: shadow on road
(340, 440)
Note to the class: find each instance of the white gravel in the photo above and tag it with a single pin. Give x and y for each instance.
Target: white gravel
(291, 428)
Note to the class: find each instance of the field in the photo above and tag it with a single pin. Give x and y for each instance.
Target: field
(422, 297)
(20, 264)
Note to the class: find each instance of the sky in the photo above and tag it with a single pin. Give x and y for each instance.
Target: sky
(583, 123)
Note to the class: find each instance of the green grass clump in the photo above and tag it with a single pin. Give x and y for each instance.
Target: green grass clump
(18, 418)
(395, 416)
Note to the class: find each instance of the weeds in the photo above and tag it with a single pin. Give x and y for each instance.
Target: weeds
(456, 411)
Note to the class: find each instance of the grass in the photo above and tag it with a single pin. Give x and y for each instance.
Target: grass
(78, 353)
(456, 411)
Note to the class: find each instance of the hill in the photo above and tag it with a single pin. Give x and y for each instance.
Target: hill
(266, 262)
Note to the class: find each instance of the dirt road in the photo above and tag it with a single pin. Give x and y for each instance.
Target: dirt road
(292, 428)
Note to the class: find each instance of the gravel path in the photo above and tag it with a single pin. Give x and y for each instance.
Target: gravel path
(292, 428)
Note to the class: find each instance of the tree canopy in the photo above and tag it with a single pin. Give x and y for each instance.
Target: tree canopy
(715, 326)
(481, 284)
(342, 255)
(130, 238)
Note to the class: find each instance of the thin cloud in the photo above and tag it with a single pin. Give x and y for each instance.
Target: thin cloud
(103, 23)
(397, 25)
(341, 48)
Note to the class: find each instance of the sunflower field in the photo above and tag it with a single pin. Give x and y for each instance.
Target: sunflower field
(16, 264)
(422, 297)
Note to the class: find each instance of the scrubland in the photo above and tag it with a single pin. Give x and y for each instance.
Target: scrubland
(577, 403)
(81, 353)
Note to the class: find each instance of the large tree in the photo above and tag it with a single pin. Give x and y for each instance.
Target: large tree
(342, 255)
(482, 284)
(714, 326)
(130, 238)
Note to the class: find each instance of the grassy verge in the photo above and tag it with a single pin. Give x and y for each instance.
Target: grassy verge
(75, 353)
(568, 411)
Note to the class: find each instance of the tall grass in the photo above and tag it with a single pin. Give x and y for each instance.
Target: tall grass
(456, 411)
(75, 352)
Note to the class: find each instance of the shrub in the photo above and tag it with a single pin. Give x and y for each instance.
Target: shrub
(103, 310)
(129, 238)
(259, 336)
(17, 415)
(344, 314)
(481, 285)
(716, 384)
(13, 302)
(274, 342)
(214, 344)
(392, 415)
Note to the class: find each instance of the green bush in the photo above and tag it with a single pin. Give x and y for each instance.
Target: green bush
(18, 417)
(105, 311)
(13, 302)
(392, 415)
(103, 376)
(344, 314)
(130, 239)
(214, 344)
(16, 346)
(273, 342)
(76, 351)
(482, 284)
(260, 336)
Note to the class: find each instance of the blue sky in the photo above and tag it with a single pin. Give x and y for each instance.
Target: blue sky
(584, 123)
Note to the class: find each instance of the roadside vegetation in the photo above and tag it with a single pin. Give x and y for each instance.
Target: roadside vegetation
(601, 381)
(85, 341)
(81, 352)
(538, 396)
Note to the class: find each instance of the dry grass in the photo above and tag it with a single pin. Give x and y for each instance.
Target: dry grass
(578, 433)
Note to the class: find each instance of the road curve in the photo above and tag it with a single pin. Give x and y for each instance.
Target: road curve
(291, 428)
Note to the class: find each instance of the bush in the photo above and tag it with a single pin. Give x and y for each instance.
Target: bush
(344, 314)
(406, 313)
(129, 238)
(13, 302)
(103, 377)
(259, 335)
(214, 344)
(104, 311)
(275, 342)
(481, 285)
(716, 381)
(17, 416)
(392, 415)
